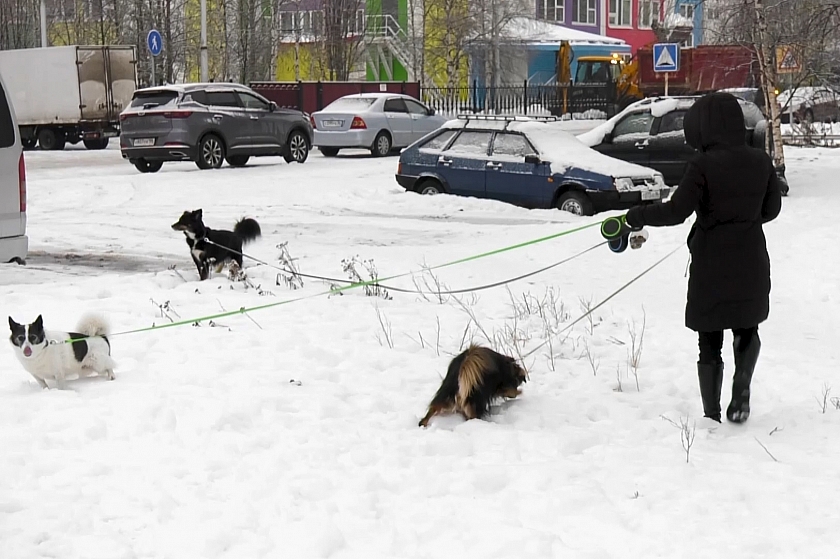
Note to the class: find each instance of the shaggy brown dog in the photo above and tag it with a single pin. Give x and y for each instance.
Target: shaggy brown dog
(475, 378)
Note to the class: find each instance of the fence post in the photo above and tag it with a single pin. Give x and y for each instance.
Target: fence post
(525, 98)
(475, 96)
(319, 95)
(300, 95)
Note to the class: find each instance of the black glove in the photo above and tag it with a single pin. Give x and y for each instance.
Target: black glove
(635, 218)
(617, 227)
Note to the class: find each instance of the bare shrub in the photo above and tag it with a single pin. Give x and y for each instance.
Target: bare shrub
(291, 277)
(594, 363)
(371, 288)
(386, 336)
(826, 391)
(634, 352)
(430, 288)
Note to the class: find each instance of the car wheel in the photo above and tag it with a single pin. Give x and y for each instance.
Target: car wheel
(145, 166)
(237, 160)
(297, 150)
(50, 139)
(29, 143)
(381, 145)
(99, 143)
(211, 152)
(429, 187)
(329, 152)
(576, 203)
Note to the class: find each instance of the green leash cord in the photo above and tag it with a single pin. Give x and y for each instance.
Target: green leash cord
(245, 310)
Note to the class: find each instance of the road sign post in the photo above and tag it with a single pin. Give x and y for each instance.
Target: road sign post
(155, 44)
(666, 58)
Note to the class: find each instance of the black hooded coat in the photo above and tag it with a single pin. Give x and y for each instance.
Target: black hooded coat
(734, 190)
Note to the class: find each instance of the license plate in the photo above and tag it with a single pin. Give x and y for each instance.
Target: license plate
(332, 123)
(143, 142)
(650, 195)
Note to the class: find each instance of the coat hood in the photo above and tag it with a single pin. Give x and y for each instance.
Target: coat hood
(715, 119)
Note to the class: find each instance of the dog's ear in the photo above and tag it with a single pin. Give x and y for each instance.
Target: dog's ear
(13, 325)
(198, 213)
(39, 323)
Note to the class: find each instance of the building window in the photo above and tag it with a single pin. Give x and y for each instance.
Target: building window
(360, 22)
(621, 14)
(583, 11)
(287, 23)
(551, 10)
(648, 13)
(687, 11)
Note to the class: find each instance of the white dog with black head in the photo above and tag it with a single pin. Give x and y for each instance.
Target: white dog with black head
(45, 355)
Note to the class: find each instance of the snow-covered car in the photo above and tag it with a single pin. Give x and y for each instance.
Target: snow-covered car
(524, 162)
(809, 104)
(380, 122)
(650, 133)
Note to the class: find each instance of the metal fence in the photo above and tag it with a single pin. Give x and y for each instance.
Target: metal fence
(812, 135)
(582, 101)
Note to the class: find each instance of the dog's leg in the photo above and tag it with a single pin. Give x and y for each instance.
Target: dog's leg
(41, 381)
(197, 263)
(433, 411)
(468, 411)
(60, 380)
(510, 392)
(220, 267)
(109, 374)
(204, 270)
(436, 409)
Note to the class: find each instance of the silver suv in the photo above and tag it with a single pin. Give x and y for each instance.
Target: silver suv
(209, 123)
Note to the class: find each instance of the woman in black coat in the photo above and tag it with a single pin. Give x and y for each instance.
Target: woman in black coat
(734, 190)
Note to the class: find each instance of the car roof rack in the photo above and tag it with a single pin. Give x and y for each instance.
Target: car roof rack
(507, 118)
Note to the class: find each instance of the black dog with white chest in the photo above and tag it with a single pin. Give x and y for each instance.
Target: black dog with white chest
(215, 246)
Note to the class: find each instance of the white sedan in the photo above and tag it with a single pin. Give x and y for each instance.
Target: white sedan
(381, 122)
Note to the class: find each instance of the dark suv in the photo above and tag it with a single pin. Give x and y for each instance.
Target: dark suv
(650, 133)
(209, 123)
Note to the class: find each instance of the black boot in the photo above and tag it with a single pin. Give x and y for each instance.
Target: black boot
(747, 348)
(711, 380)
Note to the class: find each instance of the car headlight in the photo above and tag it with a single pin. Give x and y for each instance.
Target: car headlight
(623, 184)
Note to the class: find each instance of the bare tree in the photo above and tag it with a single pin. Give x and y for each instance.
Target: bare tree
(343, 37)
(808, 27)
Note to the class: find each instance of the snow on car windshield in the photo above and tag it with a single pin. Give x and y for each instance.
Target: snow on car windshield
(564, 151)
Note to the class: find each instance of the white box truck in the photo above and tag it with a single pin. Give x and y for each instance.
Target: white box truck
(69, 93)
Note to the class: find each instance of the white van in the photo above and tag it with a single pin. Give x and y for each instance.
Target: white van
(14, 245)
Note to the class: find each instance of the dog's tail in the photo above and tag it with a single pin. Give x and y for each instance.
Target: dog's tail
(477, 362)
(93, 324)
(248, 229)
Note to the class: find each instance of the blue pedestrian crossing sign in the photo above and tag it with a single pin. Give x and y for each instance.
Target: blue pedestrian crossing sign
(154, 42)
(666, 57)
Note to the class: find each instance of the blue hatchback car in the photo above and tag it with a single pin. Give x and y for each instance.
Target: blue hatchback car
(525, 162)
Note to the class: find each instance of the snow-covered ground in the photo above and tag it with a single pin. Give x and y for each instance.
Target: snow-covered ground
(294, 433)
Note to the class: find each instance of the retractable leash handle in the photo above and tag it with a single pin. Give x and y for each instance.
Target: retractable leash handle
(621, 234)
